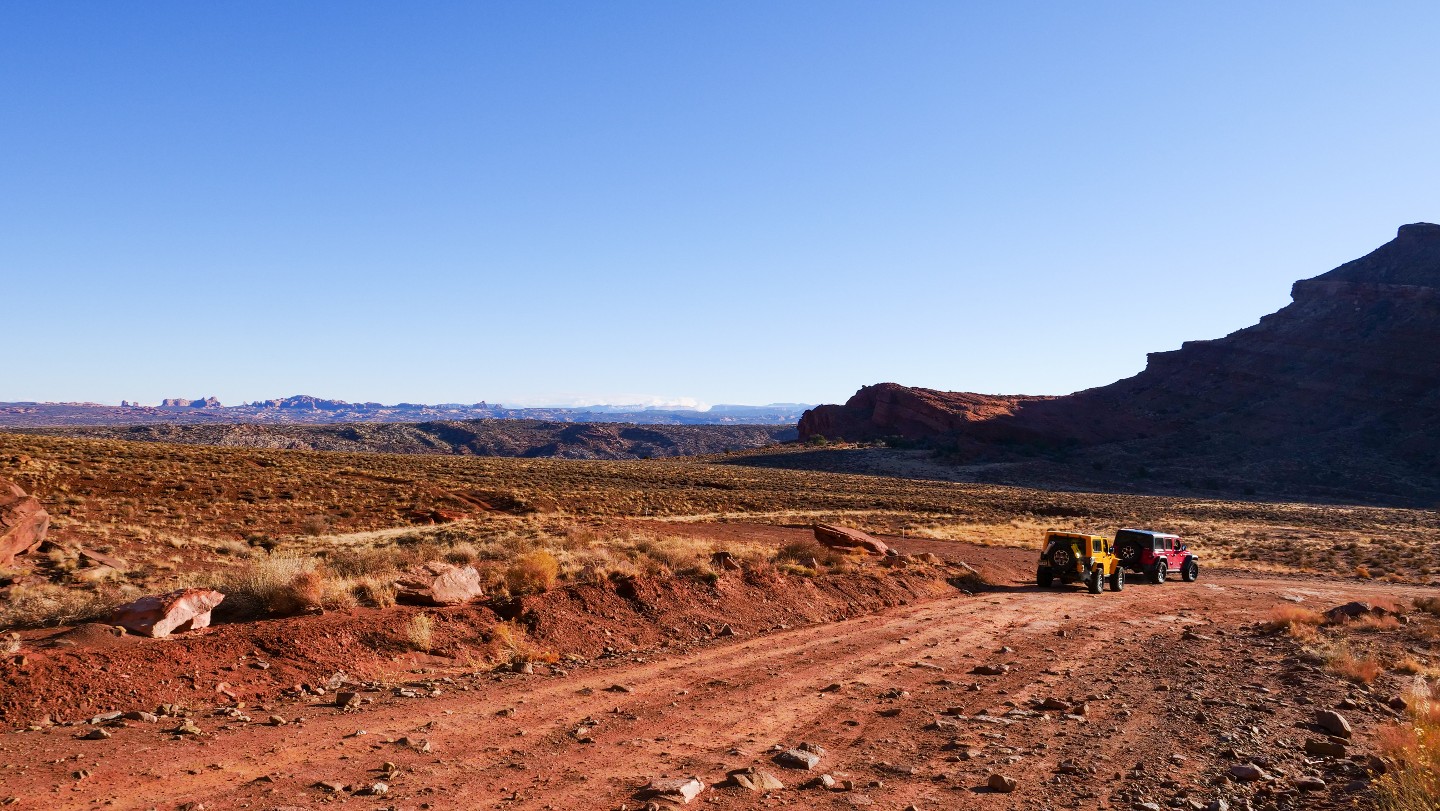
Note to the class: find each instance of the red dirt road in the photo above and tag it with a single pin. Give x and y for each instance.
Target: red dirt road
(1183, 710)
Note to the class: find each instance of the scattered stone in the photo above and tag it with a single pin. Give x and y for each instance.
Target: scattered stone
(1053, 704)
(1350, 611)
(439, 583)
(23, 523)
(332, 786)
(756, 779)
(831, 688)
(1309, 783)
(725, 630)
(276, 721)
(619, 688)
(142, 716)
(990, 670)
(675, 789)
(1001, 783)
(1333, 723)
(1324, 748)
(187, 728)
(346, 699)
(162, 615)
(847, 538)
(375, 789)
(1246, 773)
(798, 759)
(96, 734)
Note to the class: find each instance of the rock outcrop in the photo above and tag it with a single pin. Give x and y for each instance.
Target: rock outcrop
(850, 539)
(1336, 395)
(162, 615)
(23, 522)
(439, 583)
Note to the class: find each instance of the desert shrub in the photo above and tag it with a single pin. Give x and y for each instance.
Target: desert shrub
(532, 572)
(1373, 622)
(363, 562)
(795, 569)
(804, 551)
(462, 553)
(1298, 622)
(273, 585)
(1412, 750)
(314, 525)
(420, 632)
(510, 645)
(1430, 605)
(373, 591)
(1346, 665)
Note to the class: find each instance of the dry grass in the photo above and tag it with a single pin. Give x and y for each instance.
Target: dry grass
(510, 646)
(1345, 664)
(1430, 605)
(45, 605)
(532, 572)
(1412, 749)
(420, 632)
(1301, 623)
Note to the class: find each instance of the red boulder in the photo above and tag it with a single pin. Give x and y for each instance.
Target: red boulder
(23, 522)
(847, 538)
(184, 610)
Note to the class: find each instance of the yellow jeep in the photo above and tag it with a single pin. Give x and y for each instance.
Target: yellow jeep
(1074, 556)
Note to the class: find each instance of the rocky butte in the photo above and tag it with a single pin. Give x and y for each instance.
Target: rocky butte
(1337, 395)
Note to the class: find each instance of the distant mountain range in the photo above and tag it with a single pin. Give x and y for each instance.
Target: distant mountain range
(308, 410)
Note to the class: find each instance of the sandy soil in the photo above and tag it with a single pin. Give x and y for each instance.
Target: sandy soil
(1165, 716)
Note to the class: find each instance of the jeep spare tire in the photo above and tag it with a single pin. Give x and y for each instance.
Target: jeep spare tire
(1062, 559)
(1129, 553)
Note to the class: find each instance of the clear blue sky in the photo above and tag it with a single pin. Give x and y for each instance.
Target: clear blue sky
(532, 202)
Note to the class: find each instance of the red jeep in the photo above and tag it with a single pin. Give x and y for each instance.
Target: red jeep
(1155, 554)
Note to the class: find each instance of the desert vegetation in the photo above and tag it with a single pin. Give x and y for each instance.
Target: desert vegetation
(286, 531)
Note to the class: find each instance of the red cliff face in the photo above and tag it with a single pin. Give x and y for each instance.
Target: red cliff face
(1338, 391)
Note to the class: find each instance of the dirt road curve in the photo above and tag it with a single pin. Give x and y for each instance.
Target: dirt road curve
(590, 739)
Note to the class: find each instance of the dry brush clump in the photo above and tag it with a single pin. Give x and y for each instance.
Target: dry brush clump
(1411, 749)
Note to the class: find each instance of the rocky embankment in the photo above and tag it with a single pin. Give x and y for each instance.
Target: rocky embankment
(1335, 396)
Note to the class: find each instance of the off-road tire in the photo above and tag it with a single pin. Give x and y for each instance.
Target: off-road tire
(1117, 578)
(1158, 572)
(1044, 578)
(1062, 560)
(1096, 581)
(1189, 570)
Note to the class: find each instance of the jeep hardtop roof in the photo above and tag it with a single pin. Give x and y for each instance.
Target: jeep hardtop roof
(1150, 532)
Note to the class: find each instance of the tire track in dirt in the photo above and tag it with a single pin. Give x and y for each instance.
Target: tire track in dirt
(720, 705)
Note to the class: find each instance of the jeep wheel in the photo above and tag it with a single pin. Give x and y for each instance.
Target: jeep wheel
(1190, 571)
(1158, 571)
(1096, 583)
(1062, 560)
(1043, 578)
(1117, 579)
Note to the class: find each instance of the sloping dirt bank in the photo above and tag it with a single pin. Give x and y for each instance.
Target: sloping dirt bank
(71, 674)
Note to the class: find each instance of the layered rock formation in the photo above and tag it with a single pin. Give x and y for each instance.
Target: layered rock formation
(1337, 394)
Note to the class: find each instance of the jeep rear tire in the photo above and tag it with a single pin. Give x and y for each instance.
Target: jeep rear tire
(1158, 572)
(1117, 578)
(1043, 578)
(1189, 571)
(1096, 583)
